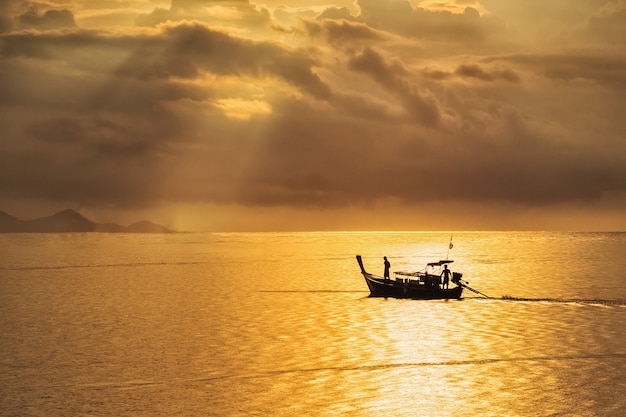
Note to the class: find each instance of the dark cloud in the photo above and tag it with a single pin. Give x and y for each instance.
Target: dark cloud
(17, 15)
(6, 24)
(360, 161)
(343, 33)
(104, 133)
(372, 63)
(476, 71)
(601, 68)
(184, 51)
(347, 163)
(50, 19)
(473, 72)
(422, 108)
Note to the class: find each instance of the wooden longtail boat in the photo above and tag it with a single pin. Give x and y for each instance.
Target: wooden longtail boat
(423, 285)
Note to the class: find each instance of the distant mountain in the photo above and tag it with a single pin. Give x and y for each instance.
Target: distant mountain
(8, 223)
(62, 222)
(146, 227)
(70, 221)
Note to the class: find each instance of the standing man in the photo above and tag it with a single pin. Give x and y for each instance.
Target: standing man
(446, 276)
(387, 266)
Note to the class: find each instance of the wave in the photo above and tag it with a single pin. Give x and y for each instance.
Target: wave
(386, 366)
(141, 384)
(314, 291)
(119, 265)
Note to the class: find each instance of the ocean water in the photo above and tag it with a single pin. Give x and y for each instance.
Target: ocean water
(280, 324)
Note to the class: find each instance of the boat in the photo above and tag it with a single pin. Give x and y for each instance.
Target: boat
(422, 285)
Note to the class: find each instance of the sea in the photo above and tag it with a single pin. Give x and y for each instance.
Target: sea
(281, 324)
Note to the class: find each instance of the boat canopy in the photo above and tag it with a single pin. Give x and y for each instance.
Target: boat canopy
(440, 263)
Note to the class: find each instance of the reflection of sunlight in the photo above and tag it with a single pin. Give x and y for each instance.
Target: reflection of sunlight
(418, 334)
(238, 108)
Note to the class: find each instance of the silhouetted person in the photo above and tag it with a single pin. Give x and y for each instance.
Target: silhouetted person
(387, 266)
(446, 276)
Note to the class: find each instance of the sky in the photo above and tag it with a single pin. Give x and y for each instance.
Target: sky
(271, 115)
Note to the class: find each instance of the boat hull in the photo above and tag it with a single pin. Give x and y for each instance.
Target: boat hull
(401, 289)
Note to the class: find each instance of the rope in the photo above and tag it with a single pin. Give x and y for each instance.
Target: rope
(464, 285)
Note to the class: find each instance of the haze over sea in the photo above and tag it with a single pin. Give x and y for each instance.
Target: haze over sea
(280, 324)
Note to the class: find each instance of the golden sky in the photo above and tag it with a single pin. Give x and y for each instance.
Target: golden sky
(316, 115)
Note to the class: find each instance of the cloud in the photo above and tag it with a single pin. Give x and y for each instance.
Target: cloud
(336, 13)
(609, 23)
(477, 72)
(422, 107)
(312, 158)
(16, 15)
(601, 68)
(396, 105)
(473, 72)
(181, 51)
(120, 115)
(238, 14)
(398, 16)
(192, 49)
(343, 33)
(50, 19)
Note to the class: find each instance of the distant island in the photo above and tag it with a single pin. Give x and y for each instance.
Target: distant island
(70, 221)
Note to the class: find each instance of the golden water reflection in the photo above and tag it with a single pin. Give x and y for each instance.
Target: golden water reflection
(280, 324)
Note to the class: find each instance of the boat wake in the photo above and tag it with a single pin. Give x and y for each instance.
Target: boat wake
(612, 302)
(597, 301)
